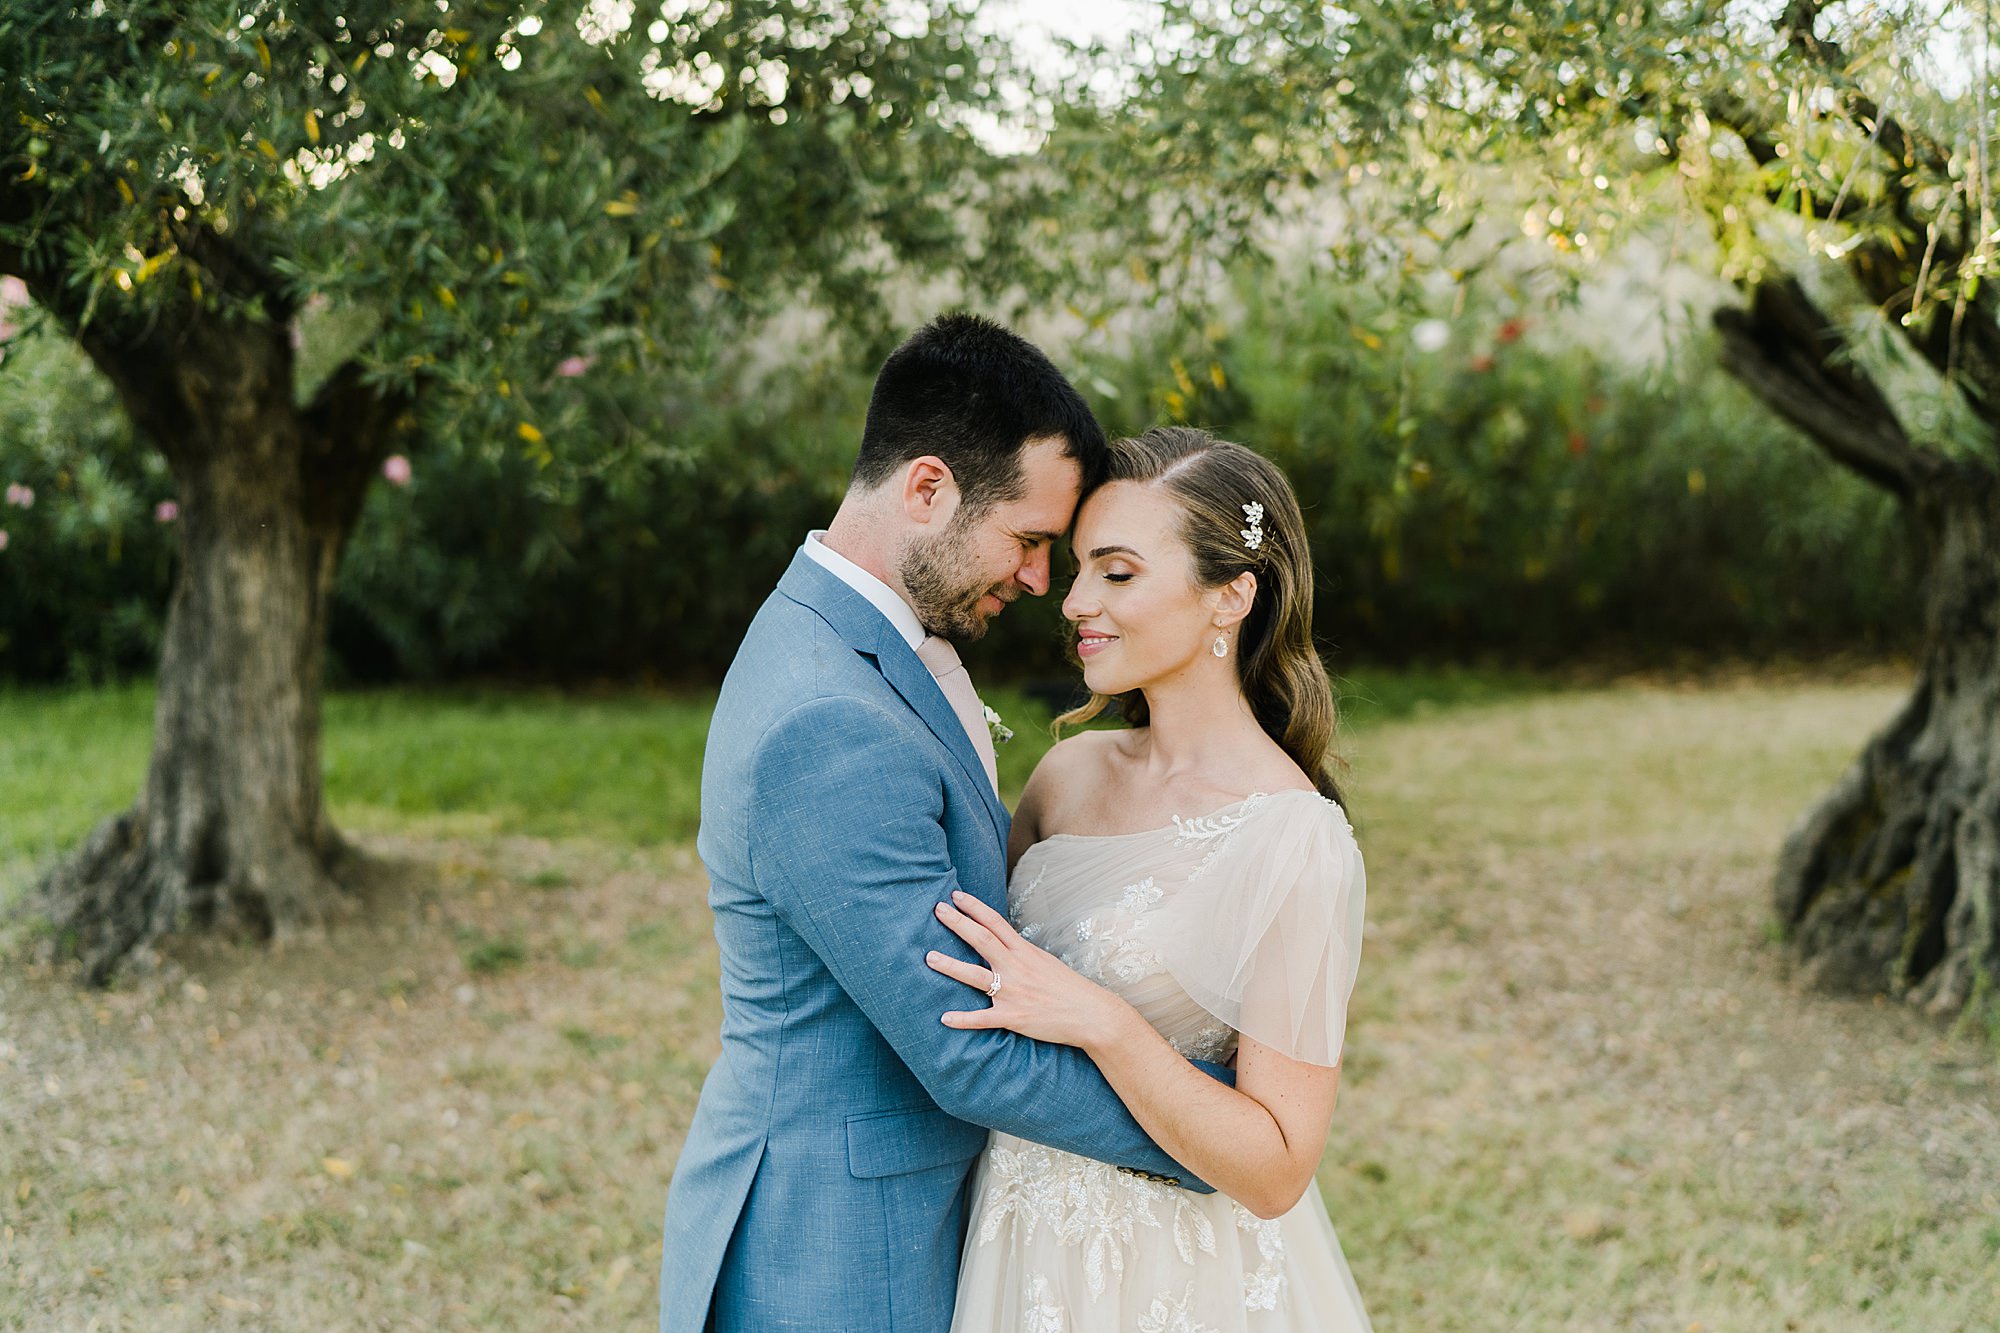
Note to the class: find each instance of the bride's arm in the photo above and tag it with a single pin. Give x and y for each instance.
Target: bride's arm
(1026, 829)
(1070, 762)
(1259, 1142)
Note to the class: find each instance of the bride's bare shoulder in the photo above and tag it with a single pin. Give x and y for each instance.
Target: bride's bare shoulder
(1074, 766)
(1086, 757)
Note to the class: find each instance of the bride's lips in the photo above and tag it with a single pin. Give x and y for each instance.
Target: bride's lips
(1090, 643)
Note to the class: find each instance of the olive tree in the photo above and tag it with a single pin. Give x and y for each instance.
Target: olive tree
(453, 206)
(1835, 159)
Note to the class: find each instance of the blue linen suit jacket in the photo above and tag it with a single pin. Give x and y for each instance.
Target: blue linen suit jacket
(823, 1182)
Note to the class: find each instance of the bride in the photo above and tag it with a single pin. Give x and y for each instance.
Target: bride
(1186, 887)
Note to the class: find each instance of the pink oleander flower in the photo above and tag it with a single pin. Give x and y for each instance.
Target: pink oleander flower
(22, 496)
(166, 511)
(575, 366)
(13, 291)
(397, 469)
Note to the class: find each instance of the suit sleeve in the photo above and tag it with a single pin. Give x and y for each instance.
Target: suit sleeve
(849, 848)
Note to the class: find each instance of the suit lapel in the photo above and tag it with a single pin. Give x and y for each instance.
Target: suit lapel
(863, 628)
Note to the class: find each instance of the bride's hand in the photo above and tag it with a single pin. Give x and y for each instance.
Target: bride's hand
(1039, 996)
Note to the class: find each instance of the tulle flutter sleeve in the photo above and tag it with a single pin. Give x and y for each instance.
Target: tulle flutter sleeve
(1266, 934)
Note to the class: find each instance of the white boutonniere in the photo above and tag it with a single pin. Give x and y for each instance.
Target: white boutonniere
(1002, 733)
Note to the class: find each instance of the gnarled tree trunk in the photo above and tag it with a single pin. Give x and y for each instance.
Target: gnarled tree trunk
(1892, 881)
(230, 828)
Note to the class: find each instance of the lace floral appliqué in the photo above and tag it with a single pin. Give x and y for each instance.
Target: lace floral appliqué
(1138, 897)
(1214, 831)
(1170, 1315)
(1092, 1208)
(1039, 1311)
(1210, 1043)
(1262, 1288)
(1110, 947)
(1020, 907)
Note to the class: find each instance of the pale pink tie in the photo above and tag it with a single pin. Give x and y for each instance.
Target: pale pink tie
(942, 659)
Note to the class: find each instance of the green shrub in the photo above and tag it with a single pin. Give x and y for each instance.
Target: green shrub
(86, 568)
(650, 569)
(1520, 492)
(1516, 493)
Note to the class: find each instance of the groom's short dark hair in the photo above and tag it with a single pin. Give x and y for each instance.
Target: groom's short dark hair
(972, 393)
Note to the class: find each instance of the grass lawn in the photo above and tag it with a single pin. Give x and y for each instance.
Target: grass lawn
(1582, 1091)
(624, 770)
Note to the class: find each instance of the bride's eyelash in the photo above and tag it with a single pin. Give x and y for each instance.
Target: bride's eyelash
(1117, 578)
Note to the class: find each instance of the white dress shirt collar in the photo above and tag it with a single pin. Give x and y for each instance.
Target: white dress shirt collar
(877, 592)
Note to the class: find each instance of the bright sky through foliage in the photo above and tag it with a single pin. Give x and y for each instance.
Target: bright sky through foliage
(1038, 28)
(1948, 60)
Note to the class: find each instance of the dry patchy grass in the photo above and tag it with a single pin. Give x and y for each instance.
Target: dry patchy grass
(1582, 1091)
(460, 1113)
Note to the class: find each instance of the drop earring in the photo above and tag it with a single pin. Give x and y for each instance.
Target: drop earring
(1221, 646)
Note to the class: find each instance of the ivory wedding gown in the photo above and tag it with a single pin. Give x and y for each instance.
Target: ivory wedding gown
(1247, 920)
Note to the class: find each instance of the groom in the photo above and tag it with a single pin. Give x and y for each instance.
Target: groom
(848, 787)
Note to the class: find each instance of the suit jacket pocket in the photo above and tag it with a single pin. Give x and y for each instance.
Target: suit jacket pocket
(894, 1143)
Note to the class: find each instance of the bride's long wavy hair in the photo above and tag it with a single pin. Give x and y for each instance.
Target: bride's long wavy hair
(1277, 664)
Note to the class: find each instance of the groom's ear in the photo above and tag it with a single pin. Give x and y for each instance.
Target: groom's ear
(930, 492)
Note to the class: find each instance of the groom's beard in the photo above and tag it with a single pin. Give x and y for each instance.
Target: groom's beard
(934, 574)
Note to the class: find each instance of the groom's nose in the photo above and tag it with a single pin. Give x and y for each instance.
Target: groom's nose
(1034, 571)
